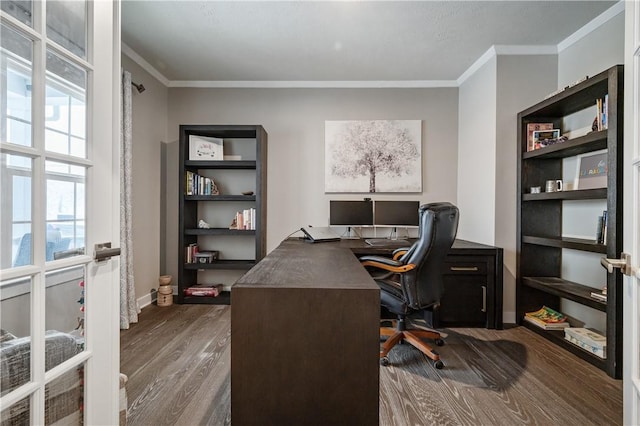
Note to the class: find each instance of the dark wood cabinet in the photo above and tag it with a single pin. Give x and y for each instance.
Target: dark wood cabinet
(244, 170)
(541, 239)
(472, 287)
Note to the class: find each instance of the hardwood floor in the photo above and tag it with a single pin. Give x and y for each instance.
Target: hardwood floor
(178, 362)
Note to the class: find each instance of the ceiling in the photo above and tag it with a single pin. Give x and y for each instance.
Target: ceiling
(322, 41)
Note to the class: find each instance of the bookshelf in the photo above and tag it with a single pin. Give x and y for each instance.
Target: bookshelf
(241, 179)
(540, 238)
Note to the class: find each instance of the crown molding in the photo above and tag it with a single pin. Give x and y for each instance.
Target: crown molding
(144, 64)
(329, 84)
(592, 25)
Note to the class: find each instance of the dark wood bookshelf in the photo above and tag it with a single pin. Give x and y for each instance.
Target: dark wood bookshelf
(251, 141)
(540, 240)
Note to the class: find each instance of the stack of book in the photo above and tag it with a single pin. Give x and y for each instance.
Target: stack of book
(547, 319)
(601, 230)
(204, 290)
(602, 112)
(245, 220)
(589, 340)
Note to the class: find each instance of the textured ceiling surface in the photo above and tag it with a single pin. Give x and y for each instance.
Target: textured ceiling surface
(339, 41)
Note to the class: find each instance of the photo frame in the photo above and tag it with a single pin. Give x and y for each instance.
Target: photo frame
(205, 148)
(540, 136)
(591, 172)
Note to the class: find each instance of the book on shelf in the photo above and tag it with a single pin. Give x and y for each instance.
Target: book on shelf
(244, 220)
(531, 127)
(600, 295)
(200, 185)
(204, 290)
(205, 148)
(547, 319)
(190, 253)
(588, 339)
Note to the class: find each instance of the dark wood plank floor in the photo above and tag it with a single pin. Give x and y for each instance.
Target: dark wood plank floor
(178, 362)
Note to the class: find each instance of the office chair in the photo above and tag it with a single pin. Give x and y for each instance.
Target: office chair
(416, 285)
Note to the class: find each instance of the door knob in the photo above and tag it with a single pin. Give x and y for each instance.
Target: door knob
(624, 263)
(104, 251)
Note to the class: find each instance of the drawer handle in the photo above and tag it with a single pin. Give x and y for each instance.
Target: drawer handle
(484, 298)
(464, 268)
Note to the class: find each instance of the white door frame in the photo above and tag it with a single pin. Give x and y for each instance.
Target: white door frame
(631, 210)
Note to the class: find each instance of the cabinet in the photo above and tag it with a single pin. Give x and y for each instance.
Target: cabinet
(473, 287)
(241, 178)
(541, 241)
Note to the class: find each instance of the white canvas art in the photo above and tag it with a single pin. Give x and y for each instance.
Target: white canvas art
(373, 156)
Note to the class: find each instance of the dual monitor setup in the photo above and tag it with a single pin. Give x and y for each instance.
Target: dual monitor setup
(373, 213)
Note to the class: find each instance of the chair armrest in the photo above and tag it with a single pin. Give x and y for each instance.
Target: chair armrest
(399, 252)
(386, 264)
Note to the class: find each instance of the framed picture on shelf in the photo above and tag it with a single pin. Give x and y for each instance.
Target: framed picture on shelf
(542, 138)
(592, 170)
(205, 148)
(532, 127)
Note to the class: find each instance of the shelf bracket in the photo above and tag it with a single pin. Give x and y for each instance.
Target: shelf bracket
(624, 263)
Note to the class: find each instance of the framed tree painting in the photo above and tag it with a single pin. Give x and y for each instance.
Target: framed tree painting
(373, 156)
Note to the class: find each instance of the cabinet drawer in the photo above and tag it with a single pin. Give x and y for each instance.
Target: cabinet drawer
(471, 267)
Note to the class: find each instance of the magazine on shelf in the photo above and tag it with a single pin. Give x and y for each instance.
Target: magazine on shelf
(204, 290)
(547, 319)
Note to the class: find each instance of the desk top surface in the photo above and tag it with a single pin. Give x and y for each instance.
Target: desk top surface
(298, 264)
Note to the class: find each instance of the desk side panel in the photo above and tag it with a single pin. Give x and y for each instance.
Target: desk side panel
(305, 356)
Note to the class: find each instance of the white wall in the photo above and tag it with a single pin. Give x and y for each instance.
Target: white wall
(518, 87)
(476, 155)
(294, 120)
(601, 49)
(149, 118)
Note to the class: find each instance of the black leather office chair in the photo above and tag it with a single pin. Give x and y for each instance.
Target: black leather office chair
(415, 285)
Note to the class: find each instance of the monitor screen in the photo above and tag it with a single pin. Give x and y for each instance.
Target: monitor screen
(350, 213)
(396, 213)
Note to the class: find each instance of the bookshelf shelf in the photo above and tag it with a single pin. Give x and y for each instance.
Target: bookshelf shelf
(540, 217)
(231, 177)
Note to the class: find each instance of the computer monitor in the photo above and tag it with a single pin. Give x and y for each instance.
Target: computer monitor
(396, 213)
(351, 213)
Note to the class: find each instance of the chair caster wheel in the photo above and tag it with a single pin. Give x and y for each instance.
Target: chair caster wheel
(384, 361)
(438, 364)
(439, 342)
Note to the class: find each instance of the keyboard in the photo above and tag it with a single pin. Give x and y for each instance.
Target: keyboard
(386, 242)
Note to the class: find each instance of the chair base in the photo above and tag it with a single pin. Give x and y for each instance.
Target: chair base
(413, 337)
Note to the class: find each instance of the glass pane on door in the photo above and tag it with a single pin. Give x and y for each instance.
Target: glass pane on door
(65, 209)
(65, 110)
(22, 10)
(17, 414)
(15, 334)
(15, 59)
(64, 398)
(67, 25)
(16, 248)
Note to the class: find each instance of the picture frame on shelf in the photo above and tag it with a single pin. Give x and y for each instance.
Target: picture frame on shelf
(205, 148)
(531, 127)
(591, 172)
(542, 138)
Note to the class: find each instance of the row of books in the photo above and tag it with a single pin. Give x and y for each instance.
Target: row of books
(589, 340)
(601, 230)
(200, 185)
(245, 219)
(191, 253)
(204, 290)
(600, 122)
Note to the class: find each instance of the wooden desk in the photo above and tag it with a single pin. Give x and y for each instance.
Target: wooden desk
(305, 339)
(305, 332)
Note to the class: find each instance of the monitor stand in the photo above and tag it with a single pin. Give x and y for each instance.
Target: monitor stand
(349, 236)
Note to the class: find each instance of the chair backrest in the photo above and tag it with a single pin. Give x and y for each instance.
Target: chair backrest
(423, 286)
(23, 256)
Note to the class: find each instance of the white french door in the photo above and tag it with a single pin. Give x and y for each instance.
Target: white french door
(59, 182)
(631, 209)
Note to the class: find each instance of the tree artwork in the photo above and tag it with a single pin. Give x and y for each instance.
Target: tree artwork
(373, 156)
